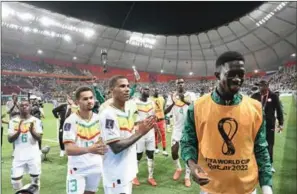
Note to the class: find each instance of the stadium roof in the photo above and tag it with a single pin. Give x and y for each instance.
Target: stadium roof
(154, 17)
(266, 36)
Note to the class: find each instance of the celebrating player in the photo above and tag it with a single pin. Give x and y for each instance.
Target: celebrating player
(160, 107)
(146, 108)
(232, 156)
(25, 131)
(117, 124)
(180, 103)
(83, 146)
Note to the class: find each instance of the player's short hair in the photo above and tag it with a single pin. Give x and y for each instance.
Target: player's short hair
(113, 80)
(228, 57)
(81, 89)
(14, 94)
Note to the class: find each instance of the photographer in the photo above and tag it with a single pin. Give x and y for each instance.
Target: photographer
(12, 106)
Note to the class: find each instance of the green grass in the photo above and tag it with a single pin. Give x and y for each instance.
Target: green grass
(53, 177)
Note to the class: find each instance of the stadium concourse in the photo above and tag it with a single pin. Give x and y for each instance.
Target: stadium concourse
(59, 71)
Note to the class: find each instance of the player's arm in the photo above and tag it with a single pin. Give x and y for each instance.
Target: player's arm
(58, 109)
(133, 89)
(36, 130)
(111, 132)
(262, 158)
(189, 148)
(12, 135)
(279, 111)
(99, 95)
(189, 142)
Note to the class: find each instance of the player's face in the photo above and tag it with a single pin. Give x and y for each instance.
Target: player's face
(86, 101)
(145, 92)
(180, 83)
(121, 90)
(156, 92)
(263, 87)
(25, 107)
(232, 77)
(15, 98)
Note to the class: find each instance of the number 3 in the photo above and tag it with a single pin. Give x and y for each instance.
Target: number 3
(72, 185)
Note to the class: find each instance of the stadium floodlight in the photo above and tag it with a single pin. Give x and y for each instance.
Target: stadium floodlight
(133, 67)
(191, 73)
(67, 37)
(27, 29)
(6, 11)
(256, 70)
(162, 70)
(293, 55)
(39, 51)
(88, 32)
(26, 16)
(137, 40)
(74, 58)
(46, 21)
(35, 30)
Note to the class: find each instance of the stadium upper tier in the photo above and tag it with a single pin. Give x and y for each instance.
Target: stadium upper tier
(266, 36)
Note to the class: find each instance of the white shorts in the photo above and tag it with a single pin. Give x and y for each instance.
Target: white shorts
(176, 135)
(33, 167)
(255, 192)
(83, 179)
(146, 143)
(126, 189)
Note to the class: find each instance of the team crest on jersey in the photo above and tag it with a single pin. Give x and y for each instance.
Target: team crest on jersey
(228, 128)
(109, 124)
(67, 127)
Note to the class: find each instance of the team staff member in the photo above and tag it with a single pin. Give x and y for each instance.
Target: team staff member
(223, 140)
(160, 108)
(60, 113)
(271, 104)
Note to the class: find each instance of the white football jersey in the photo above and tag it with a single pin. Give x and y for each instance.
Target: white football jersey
(144, 110)
(179, 110)
(118, 169)
(26, 147)
(83, 134)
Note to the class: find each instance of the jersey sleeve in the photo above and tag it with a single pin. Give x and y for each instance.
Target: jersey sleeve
(109, 126)
(38, 127)
(11, 125)
(69, 131)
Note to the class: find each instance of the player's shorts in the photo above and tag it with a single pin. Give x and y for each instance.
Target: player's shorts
(147, 142)
(83, 179)
(33, 167)
(176, 136)
(202, 192)
(126, 189)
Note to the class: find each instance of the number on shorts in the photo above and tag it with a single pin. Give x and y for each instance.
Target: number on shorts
(72, 185)
(89, 143)
(24, 138)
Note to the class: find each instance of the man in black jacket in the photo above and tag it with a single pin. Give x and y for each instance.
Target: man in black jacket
(60, 113)
(270, 103)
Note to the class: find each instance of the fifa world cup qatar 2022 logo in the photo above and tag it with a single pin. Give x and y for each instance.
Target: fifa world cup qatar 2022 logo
(228, 128)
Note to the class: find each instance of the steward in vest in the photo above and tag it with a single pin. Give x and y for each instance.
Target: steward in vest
(224, 139)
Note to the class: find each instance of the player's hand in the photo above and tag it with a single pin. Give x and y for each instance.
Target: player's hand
(20, 125)
(198, 174)
(280, 129)
(172, 98)
(31, 128)
(97, 148)
(147, 124)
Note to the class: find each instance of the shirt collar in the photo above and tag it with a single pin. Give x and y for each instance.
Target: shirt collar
(217, 99)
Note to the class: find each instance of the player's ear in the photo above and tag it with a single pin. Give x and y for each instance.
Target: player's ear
(217, 75)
